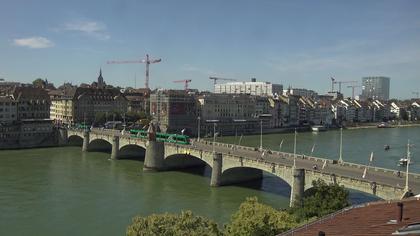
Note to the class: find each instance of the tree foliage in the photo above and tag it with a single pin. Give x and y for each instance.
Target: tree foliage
(321, 200)
(39, 83)
(172, 224)
(254, 218)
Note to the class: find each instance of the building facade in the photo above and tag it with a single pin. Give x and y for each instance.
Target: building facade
(72, 105)
(174, 111)
(375, 87)
(32, 103)
(8, 110)
(252, 88)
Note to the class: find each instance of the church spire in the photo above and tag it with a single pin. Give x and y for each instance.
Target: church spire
(101, 83)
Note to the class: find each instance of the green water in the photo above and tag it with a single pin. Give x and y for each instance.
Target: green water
(62, 191)
(357, 145)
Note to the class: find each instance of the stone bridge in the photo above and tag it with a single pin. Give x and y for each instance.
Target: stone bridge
(233, 164)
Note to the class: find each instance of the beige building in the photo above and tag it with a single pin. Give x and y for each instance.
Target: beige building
(75, 105)
(81, 104)
(138, 100)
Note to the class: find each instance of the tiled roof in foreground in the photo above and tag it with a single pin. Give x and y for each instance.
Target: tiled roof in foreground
(376, 218)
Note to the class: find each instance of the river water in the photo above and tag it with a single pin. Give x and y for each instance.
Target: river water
(62, 191)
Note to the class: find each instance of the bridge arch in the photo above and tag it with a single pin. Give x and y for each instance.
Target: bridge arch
(132, 151)
(240, 174)
(75, 140)
(182, 161)
(370, 189)
(100, 144)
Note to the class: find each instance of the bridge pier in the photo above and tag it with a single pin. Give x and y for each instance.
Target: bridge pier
(216, 172)
(62, 137)
(85, 141)
(115, 147)
(155, 155)
(298, 187)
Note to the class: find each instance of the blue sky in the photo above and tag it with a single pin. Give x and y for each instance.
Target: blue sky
(297, 43)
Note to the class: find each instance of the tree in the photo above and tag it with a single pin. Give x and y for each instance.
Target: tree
(321, 200)
(39, 83)
(172, 224)
(254, 218)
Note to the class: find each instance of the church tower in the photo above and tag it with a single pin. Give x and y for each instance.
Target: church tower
(101, 83)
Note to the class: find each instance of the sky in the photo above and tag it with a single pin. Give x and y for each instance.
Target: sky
(295, 43)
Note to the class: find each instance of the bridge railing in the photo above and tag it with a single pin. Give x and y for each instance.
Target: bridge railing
(315, 159)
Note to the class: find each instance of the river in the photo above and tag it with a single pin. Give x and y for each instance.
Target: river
(62, 191)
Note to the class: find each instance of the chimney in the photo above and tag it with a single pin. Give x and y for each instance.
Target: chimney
(400, 207)
(321, 233)
(253, 80)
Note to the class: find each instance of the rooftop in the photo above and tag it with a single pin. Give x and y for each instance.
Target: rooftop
(377, 218)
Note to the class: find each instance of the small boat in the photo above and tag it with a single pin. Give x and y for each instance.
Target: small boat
(386, 147)
(403, 161)
(384, 125)
(318, 128)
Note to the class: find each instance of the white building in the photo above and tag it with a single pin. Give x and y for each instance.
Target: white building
(253, 88)
(301, 92)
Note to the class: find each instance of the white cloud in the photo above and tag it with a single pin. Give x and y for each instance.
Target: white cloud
(91, 28)
(33, 42)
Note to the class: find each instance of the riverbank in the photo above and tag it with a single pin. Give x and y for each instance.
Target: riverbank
(374, 125)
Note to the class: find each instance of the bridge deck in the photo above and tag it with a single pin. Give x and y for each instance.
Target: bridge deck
(355, 171)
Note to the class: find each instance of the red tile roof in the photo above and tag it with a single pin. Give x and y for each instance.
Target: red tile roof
(376, 218)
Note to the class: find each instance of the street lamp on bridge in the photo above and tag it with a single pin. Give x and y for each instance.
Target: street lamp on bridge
(294, 150)
(340, 160)
(199, 128)
(263, 117)
(214, 132)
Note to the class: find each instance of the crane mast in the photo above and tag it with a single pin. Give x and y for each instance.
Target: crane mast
(334, 81)
(352, 89)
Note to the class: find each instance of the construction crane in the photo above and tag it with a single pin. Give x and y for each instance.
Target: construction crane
(417, 94)
(218, 78)
(146, 61)
(185, 81)
(352, 89)
(333, 81)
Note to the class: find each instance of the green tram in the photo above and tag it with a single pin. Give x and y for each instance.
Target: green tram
(162, 137)
(83, 126)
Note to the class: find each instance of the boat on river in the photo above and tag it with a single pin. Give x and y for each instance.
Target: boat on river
(404, 161)
(318, 128)
(384, 125)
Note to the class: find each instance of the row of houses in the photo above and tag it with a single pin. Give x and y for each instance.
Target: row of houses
(176, 110)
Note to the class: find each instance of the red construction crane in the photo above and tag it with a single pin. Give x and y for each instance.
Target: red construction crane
(147, 61)
(352, 89)
(333, 81)
(185, 81)
(217, 78)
